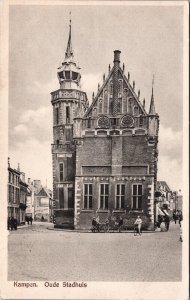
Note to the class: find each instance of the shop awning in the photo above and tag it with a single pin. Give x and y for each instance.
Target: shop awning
(160, 212)
(165, 212)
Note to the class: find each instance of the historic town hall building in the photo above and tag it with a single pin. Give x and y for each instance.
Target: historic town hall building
(104, 155)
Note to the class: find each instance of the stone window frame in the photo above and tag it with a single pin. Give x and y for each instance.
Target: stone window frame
(137, 196)
(120, 195)
(88, 196)
(100, 105)
(61, 172)
(104, 195)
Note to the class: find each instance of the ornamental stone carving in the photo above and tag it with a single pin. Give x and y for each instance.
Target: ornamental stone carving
(127, 121)
(103, 122)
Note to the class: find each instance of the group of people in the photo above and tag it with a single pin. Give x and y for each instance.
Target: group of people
(96, 225)
(163, 222)
(29, 220)
(12, 223)
(177, 215)
(118, 224)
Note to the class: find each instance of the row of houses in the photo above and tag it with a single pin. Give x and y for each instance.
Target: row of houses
(168, 199)
(27, 199)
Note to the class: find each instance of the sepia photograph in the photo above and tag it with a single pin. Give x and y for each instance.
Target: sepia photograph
(94, 131)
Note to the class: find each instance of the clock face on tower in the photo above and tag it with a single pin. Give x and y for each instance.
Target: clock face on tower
(127, 121)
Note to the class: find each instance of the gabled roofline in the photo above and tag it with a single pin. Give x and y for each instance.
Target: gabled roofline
(103, 86)
(99, 92)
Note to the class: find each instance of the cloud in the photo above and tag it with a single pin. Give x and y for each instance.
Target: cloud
(20, 129)
(34, 158)
(89, 83)
(170, 142)
(34, 124)
(170, 148)
(39, 88)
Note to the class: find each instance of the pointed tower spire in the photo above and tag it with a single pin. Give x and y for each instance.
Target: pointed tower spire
(152, 105)
(69, 51)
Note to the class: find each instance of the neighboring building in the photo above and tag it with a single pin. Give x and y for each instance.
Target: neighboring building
(177, 200)
(166, 200)
(104, 156)
(23, 198)
(30, 199)
(13, 192)
(17, 190)
(39, 201)
(44, 205)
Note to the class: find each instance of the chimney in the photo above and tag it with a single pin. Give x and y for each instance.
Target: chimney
(117, 57)
(29, 180)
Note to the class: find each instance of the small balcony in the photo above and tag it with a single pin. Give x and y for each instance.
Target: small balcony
(56, 148)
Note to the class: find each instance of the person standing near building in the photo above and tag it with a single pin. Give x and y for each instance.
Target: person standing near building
(180, 217)
(167, 222)
(138, 222)
(174, 216)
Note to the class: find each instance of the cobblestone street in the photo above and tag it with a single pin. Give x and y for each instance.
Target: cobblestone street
(36, 253)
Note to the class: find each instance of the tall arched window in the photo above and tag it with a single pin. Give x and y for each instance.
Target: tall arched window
(105, 102)
(100, 106)
(120, 89)
(130, 106)
(111, 88)
(125, 101)
(136, 111)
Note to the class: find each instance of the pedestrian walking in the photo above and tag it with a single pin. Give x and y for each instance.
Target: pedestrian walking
(98, 223)
(120, 223)
(8, 223)
(107, 225)
(174, 216)
(181, 231)
(15, 223)
(12, 223)
(167, 222)
(94, 224)
(180, 217)
(138, 223)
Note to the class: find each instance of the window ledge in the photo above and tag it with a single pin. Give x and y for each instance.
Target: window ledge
(102, 211)
(119, 211)
(136, 210)
(86, 210)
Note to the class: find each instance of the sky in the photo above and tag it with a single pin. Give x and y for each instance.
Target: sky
(151, 42)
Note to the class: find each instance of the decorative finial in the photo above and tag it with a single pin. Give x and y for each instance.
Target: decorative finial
(93, 96)
(70, 17)
(8, 162)
(123, 67)
(152, 105)
(144, 102)
(104, 77)
(98, 86)
(69, 51)
(109, 68)
(133, 85)
(128, 76)
(18, 168)
(153, 85)
(139, 92)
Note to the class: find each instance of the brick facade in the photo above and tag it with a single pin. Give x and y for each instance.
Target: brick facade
(105, 155)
